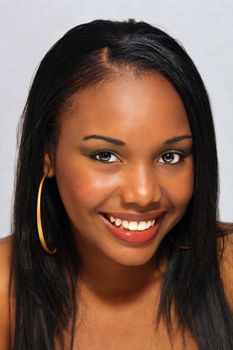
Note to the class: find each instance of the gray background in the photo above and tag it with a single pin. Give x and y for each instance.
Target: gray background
(28, 29)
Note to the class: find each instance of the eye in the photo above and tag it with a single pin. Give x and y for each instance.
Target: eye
(171, 157)
(105, 157)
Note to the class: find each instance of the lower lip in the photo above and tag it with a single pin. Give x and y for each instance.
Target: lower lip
(136, 237)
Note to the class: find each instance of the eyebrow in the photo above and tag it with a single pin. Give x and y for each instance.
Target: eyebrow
(105, 138)
(177, 139)
(121, 143)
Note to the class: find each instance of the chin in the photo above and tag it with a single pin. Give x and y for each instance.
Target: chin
(137, 257)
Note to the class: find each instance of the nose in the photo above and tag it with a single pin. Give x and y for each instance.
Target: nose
(141, 186)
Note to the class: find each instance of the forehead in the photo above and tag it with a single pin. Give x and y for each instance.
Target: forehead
(127, 105)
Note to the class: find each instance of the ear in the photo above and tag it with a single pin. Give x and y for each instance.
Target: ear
(48, 164)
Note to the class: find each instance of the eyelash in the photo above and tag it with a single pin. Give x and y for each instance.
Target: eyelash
(180, 154)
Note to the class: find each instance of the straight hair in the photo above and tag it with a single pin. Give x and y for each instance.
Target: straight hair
(44, 286)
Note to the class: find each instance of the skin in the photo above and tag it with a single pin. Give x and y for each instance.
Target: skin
(118, 282)
(143, 112)
(5, 259)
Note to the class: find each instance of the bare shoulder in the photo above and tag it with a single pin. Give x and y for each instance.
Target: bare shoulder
(5, 263)
(225, 240)
(5, 259)
(226, 252)
(5, 246)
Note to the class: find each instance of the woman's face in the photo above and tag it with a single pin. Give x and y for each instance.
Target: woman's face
(124, 155)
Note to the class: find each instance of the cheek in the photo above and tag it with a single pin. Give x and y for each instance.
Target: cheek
(82, 191)
(180, 190)
(185, 190)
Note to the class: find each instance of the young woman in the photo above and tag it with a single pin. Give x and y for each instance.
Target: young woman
(116, 242)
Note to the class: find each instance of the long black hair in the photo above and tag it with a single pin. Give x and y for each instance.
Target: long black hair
(44, 286)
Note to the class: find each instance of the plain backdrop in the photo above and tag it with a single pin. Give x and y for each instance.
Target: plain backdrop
(29, 28)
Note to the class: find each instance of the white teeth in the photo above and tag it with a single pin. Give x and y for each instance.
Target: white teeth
(132, 225)
(112, 219)
(125, 223)
(117, 222)
(148, 224)
(142, 226)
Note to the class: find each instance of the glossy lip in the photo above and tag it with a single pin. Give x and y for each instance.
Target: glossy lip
(135, 217)
(134, 237)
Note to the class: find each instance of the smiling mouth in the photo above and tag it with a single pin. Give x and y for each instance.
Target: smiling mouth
(137, 230)
(131, 225)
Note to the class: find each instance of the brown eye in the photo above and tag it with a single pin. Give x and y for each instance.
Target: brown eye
(105, 157)
(171, 158)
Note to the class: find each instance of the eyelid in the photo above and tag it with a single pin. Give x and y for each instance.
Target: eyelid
(181, 153)
(184, 152)
(94, 154)
(176, 151)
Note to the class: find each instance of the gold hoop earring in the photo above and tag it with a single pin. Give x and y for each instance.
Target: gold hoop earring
(38, 217)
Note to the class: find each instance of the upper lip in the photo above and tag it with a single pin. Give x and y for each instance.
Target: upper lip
(135, 216)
